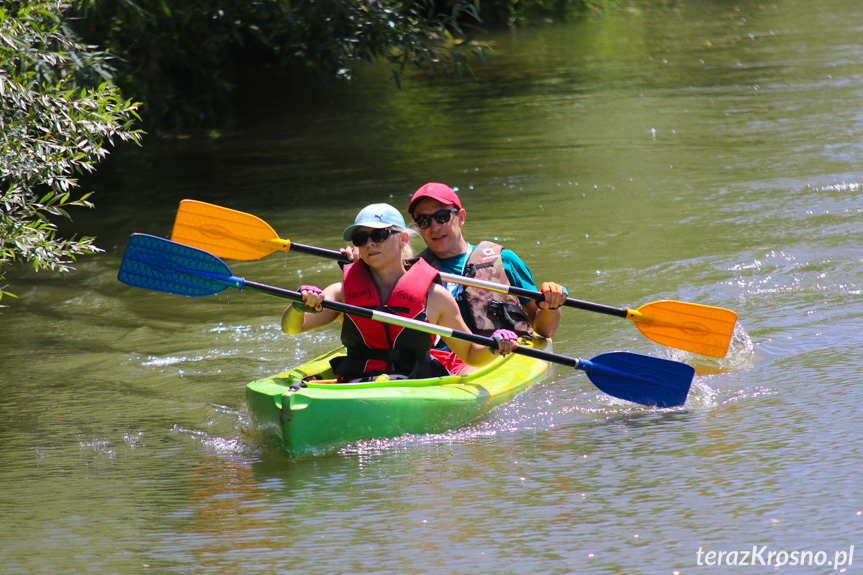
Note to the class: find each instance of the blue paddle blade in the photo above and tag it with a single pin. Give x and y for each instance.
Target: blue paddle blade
(640, 378)
(156, 263)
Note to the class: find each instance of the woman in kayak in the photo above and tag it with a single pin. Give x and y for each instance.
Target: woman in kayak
(380, 281)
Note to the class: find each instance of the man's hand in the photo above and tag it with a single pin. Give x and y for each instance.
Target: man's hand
(554, 294)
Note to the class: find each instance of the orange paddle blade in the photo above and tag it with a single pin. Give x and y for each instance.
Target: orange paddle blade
(224, 232)
(693, 327)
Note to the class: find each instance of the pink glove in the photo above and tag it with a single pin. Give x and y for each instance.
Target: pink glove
(505, 341)
(315, 291)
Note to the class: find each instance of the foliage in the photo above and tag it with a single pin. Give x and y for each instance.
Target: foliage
(513, 12)
(182, 57)
(56, 122)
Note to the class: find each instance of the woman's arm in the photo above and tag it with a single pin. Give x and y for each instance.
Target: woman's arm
(443, 310)
(295, 321)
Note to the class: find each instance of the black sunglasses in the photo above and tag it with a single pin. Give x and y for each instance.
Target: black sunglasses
(440, 217)
(360, 239)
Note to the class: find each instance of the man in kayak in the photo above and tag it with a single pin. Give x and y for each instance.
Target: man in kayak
(439, 216)
(380, 280)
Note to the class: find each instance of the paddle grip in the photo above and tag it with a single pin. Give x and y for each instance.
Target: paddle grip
(572, 302)
(533, 294)
(521, 350)
(316, 251)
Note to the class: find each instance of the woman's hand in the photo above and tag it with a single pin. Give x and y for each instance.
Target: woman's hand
(351, 252)
(506, 341)
(313, 296)
(310, 313)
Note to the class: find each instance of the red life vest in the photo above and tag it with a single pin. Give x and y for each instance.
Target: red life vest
(375, 347)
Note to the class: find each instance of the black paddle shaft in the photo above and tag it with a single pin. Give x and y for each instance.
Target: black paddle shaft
(517, 291)
(576, 303)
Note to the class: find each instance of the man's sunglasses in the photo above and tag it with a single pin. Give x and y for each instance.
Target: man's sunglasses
(360, 239)
(440, 217)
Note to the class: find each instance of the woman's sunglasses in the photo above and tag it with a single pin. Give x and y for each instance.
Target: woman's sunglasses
(360, 239)
(440, 217)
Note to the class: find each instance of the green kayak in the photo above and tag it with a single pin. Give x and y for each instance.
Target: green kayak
(304, 414)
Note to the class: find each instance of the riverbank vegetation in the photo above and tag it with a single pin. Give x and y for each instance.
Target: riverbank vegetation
(60, 113)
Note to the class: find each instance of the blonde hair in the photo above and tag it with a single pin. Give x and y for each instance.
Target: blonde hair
(407, 248)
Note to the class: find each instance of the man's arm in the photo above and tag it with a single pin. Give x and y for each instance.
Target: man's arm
(544, 321)
(544, 316)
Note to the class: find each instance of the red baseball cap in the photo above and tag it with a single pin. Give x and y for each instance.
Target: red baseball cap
(440, 192)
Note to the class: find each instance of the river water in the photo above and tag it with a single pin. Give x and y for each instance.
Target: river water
(705, 151)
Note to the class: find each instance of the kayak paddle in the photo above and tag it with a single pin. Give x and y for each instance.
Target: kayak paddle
(228, 233)
(159, 264)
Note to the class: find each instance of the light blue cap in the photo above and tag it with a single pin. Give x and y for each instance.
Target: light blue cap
(378, 216)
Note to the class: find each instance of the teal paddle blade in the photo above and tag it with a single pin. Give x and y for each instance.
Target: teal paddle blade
(640, 378)
(156, 263)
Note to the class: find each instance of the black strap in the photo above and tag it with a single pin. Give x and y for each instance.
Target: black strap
(385, 355)
(470, 270)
